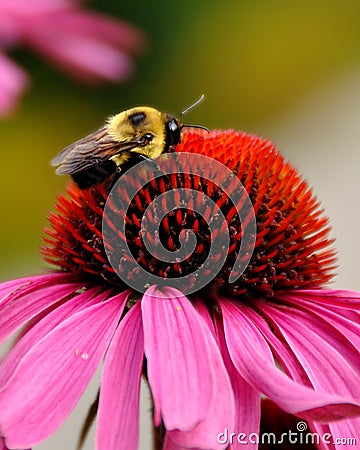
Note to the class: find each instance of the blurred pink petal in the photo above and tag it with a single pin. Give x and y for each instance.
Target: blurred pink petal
(13, 82)
(15, 8)
(14, 13)
(85, 45)
(191, 389)
(47, 383)
(118, 413)
(83, 58)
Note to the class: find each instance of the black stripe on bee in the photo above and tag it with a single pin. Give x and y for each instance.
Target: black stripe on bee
(137, 118)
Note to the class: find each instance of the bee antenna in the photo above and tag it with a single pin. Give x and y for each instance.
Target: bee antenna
(189, 108)
(190, 125)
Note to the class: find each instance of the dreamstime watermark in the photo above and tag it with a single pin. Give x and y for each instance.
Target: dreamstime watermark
(299, 437)
(190, 169)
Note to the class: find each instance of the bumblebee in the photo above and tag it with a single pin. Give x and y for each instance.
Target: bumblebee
(126, 138)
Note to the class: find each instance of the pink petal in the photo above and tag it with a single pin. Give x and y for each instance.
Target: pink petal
(283, 355)
(202, 309)
(44, 327)
(247, 399)
(253, 359)
(345, 429)
(296, 370)
(342, 322)
(221, 416)
(3, 444)
(118, 413)
(52, 376)
(22, 300)
(334, 297)
(13, 82)
(169, 444)
(187, 376)
(325, 354)
(320, 349)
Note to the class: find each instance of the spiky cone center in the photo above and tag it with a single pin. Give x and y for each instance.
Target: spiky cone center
(292, 246)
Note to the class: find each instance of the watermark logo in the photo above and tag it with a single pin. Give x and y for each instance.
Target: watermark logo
(289, 437)
(185, 182)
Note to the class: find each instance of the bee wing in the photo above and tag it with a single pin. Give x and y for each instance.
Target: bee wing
(89, 151)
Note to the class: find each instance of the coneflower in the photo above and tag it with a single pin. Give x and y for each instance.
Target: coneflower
(210, 350)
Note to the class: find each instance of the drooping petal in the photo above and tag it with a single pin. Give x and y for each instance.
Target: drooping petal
(338, 330)
(244, 341)
(169, 444)
(52, 376)
(342, 325)
(221, 416)
(345, 434)
(21, 301)
(247, 399)
(118, 413)
(3, 444)
(334, 297)
(321, 350)
(324, 353)
(45, 326)
(185, 370)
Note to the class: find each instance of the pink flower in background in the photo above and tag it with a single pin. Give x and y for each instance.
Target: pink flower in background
(13, 82)
(87, 46)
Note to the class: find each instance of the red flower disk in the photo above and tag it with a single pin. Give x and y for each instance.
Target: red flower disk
(292, 248)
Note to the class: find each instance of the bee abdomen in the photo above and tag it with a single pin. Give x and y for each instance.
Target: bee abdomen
(94, 175)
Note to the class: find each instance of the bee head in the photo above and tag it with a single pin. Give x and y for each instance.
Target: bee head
(172, 131)
(173, 126)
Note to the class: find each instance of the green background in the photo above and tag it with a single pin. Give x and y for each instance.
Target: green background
(254, 61)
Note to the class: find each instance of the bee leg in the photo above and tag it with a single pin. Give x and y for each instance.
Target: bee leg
(150, 161)
(137, 158)
(152, 164)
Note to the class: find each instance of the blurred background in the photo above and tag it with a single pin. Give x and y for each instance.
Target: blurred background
(289, 71)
